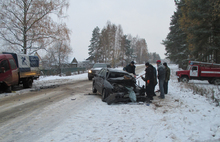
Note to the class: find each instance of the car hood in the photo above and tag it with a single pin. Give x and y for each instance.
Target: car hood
(121, 80)
(96, 69)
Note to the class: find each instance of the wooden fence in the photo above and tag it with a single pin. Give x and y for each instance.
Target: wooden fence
(62, 71)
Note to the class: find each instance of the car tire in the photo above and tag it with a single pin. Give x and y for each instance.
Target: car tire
(93, 89)
(90, 78)
(104, 95)
(184, 79)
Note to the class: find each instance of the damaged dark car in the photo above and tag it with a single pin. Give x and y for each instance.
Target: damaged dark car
(117, 86)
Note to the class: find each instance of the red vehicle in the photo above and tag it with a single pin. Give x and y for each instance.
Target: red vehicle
(17, 69)
(200, 71)
(8, 72)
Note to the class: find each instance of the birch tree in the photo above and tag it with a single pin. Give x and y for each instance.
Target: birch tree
(28, 24)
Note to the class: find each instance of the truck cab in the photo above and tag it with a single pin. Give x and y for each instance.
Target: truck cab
(191, 72)
(8, 72)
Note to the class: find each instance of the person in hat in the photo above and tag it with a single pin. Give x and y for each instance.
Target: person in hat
(130, 68)
(167, 78)
(161, 77)
(149, 79)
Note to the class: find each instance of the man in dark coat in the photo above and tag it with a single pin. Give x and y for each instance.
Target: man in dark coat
(130, 68)
(155, 79)
(167, 78)
(149, 79)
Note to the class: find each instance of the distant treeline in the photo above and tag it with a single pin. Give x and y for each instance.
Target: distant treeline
(112, 46)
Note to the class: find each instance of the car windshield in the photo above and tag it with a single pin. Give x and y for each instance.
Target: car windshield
(99, 65)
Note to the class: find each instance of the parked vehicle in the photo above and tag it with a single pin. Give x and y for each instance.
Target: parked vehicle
(117, 86)
(17, 69)
(96, 68)
(200, 71)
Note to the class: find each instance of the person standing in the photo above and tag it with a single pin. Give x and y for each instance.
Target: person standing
(155, 79)
(161, 78)
(130, 68)
(149, 79)
(167, 78)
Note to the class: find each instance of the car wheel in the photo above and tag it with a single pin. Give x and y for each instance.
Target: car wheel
(93, 89)
(104, 95)
(185, 79)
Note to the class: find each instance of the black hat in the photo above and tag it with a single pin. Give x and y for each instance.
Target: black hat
(147, 64)
(165, 64)
(132, 62)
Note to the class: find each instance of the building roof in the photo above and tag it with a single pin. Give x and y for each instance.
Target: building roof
(74, 61)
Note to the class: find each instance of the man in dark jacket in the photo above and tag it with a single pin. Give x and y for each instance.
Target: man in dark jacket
(167, 78)
(149, 79)
(155, 79)
(130, 68)
(161, 78)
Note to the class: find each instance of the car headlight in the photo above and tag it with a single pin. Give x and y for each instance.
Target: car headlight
(90, 71)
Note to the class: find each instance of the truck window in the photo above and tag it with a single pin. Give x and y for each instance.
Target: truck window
(5, 64)
(188, 67)
(194, 68)
(12, 63)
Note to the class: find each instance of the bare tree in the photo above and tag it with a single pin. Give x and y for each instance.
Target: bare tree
(27, 24)
(57, 55)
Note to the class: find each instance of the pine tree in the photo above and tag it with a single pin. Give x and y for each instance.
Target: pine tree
(201, 22)
(94, 46)
(175, 43)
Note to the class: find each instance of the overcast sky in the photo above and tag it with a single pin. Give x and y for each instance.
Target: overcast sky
(148, 19)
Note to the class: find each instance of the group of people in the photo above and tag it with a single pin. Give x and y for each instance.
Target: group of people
(162, 73)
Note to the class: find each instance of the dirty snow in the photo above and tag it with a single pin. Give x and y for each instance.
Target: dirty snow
(182, 116)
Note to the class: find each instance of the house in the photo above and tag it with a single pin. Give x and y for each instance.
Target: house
(74, 63)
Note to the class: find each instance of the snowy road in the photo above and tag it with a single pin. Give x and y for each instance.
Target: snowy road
(68, 114)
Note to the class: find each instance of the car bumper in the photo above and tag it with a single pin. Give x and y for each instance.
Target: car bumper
(91, 75)
(121, 97)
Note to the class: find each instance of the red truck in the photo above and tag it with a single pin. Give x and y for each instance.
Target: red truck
(17, 69)
(200, 71)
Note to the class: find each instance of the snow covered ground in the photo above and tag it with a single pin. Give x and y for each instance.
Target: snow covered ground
(182, 116)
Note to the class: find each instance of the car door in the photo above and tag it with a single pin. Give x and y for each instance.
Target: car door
(100, 80)
(97, 81)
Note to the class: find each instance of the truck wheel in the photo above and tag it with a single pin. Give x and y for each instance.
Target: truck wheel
(216, 81)
(93, 89)
(8, 90)
(28, 83)
(184, 79)
(210, 81)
